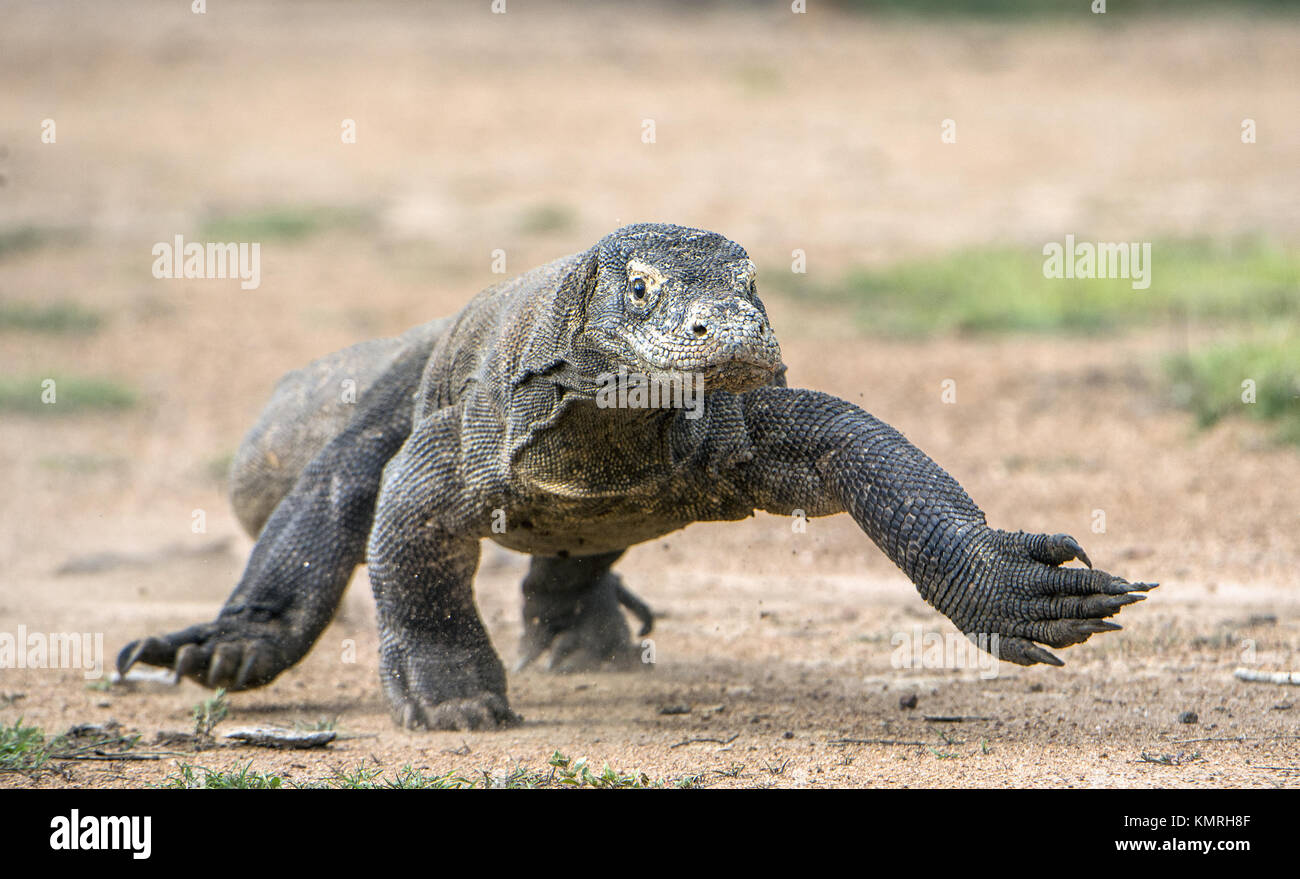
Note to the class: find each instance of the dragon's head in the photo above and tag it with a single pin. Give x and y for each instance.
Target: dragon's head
(666, 301)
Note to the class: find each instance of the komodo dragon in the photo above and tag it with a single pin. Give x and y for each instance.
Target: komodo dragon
(495, 416)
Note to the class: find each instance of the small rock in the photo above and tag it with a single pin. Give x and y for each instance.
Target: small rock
(787, 735)
(162, 677)
(907, 702)
(1188, 717)
(675, 709)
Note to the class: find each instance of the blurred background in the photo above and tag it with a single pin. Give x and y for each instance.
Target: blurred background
(816, 140)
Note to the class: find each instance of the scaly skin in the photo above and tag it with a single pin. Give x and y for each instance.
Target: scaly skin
(493, 417)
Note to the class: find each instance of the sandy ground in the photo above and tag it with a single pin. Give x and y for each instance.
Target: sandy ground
(818, 133)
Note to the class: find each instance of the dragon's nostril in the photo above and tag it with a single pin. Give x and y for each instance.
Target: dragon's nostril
(699, 329)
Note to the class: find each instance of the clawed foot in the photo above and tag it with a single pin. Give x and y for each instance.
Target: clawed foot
(237, 656)
(438, 687)
(480, 711)
(1017, 592)
(584, 630)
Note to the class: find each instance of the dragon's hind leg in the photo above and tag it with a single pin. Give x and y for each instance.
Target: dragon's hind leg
(309, 408)
(572, 606)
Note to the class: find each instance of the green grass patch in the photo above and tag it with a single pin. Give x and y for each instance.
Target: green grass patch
(1055, 9)
(217, 467)
(210, 712)
(561, 772)
(23, 748)
(405, 778)
(27, 749)
(68, 395)
(22, 239)
(1004, 290)
(56, 318)
(283, 223)
(188, 777)
(1258, 378)
(545, 219)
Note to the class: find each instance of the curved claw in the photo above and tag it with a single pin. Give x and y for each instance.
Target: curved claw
(151, 651)
(189, 661)
(1029, 598)
(639, 609)
(1073, 546)
(246, 677)
(1022, 651)
(212, 655)
(225, 663)
(1034, 653)
(532, 649)
(1120, 586)
(1055, 549)
(482, 711)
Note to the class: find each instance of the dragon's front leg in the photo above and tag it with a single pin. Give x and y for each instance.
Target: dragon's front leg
(1006, 590)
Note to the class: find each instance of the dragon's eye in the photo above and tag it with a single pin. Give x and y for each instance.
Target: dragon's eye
(638, 289)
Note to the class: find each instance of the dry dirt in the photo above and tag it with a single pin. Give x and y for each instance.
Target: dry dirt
(817, 133)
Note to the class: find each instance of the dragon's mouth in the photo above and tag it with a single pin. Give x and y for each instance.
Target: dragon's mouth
(740, 373)
(736, 366)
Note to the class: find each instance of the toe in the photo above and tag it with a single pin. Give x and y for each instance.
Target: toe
(150, 651)
(1022, 651)
(1081, 606)
(1055, 549)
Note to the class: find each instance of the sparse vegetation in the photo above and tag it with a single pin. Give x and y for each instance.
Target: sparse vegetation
(561, 773)
(1036, 9)
(1249, 287)
(20, 239)
(1003, 290)
(547, 218)
(210, 712)
(55, 318)
(217, 467)
(1259, 378)
(283, 223)
(27, 749)
(23, 748)
(188, 777)
(322, 724)
(72, 395)
(406, 778)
